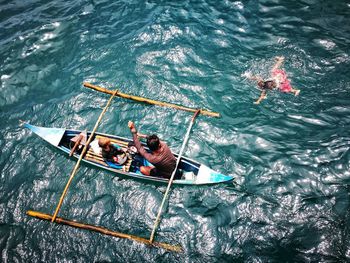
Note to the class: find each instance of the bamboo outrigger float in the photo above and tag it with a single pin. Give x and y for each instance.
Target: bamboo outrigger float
(150, 241)
(102, 230)
(150, 101)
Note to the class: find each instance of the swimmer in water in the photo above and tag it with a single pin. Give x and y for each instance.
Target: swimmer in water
(278, 80)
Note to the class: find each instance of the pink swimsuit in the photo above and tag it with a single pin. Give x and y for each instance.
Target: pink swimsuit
(284, 82)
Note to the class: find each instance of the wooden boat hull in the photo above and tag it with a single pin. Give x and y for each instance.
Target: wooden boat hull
(193, 172)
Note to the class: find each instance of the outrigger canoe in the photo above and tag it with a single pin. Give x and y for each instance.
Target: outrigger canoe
(190, 172)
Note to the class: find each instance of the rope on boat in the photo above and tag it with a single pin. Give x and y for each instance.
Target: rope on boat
(156, 223)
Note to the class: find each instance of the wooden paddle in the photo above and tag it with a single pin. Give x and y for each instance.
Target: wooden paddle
(81, 157)
(172, 176)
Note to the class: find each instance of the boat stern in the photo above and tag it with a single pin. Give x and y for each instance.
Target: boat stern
(208, 176)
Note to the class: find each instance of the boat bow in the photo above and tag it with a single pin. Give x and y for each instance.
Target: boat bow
(51, 135)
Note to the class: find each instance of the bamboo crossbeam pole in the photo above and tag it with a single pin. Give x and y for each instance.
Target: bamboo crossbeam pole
(156, 223)
(150, 101)
(81, 156)
(102, 230)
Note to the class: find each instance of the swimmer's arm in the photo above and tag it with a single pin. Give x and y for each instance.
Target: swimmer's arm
(262, 96)
(256, 78)
(252, 77)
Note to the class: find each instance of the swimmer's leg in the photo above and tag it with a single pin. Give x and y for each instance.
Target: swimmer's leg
(279, 61)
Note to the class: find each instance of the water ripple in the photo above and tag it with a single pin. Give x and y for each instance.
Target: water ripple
(290, 154)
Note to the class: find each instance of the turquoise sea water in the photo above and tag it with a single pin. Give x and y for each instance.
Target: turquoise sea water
(290, 154)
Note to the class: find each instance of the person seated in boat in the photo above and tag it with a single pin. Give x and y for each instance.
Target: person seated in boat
(112, 152)
(278, 80)
(160, 156)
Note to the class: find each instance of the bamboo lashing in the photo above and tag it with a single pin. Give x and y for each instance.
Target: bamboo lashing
(150, 101)
(156, 223)
(94, 156)
(102, 230)
(93, 159)
(81, 156)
